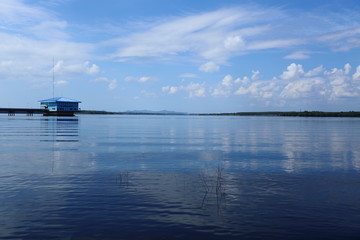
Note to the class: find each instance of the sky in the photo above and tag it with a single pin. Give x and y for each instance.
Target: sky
(182, 55)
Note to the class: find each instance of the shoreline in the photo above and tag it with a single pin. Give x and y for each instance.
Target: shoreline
(265, 114)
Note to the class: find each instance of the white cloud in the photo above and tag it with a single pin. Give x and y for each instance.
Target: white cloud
(273, 44)
(258, 89)
(83, 68)
(214, 36)
(218, 92)
(255, 75)
(341, 83)
(227, 81)
(196, 90)
(61, 82)
(243, 81)
(299, 55)
(356, 75)
(234, 43)
(342, 40)
(50, 30)
(142, 79)
(112, 84)
(242, 91)
(347, 68)
(294, 85)
(31, 36)
(224, 88)
(294, 71)
(15, 12)
(219, 35)
(209, 67)
(170, 89)
(193, 89)
(314, 72)
(303, 88)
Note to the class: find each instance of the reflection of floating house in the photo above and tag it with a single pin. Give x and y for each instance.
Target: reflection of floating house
(59, 106)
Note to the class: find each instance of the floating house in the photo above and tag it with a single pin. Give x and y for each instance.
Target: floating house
(59, 106)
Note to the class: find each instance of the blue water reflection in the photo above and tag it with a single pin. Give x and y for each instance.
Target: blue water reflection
(179, 177)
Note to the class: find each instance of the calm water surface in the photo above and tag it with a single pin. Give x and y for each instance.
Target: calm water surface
(179, 177)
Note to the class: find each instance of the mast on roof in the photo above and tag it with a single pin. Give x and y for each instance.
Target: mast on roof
(53, 87)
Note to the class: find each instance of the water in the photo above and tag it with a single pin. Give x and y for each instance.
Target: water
(179, 177)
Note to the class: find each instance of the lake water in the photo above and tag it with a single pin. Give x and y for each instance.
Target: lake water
(179, 177)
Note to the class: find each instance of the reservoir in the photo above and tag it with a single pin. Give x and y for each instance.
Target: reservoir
(179, 177)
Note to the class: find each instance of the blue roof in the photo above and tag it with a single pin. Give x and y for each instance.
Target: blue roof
(60, 99)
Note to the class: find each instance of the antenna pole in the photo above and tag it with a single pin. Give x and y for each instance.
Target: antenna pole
(53, 78)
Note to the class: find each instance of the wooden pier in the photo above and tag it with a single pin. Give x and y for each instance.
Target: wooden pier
(27, 111)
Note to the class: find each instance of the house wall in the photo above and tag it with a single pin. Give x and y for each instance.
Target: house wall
(60, 106)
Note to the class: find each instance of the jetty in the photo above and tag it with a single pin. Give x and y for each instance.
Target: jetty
(27, 111)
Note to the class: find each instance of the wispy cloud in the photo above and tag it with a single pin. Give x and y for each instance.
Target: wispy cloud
(32, 35)
(298, 55)
(112, 84)
(142, 79)
(219, 35)
(188, 75)
(213, 35)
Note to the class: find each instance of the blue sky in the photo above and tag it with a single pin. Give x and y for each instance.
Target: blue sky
(189, 56)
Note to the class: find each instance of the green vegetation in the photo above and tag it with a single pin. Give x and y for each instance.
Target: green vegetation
(290, 114)
(268, 114)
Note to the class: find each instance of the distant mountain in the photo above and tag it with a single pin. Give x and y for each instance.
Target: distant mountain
(162, 112)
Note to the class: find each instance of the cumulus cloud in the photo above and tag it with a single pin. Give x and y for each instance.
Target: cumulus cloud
(83, 68)
(227, 81)
(304, 88)
(170, 89)
(294, 71)
(316, 71)
(209, 67)
(347, 68)
(356, 75)
(193, 89)
(258, 89)
(294, 83)
(196, 90)
(224, 88)
(341, 82)
(234, 43)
